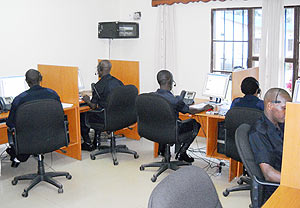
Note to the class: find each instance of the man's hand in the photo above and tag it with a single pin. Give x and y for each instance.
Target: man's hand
(87, 99)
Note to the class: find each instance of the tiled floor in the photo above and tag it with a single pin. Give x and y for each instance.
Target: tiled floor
(101, 184)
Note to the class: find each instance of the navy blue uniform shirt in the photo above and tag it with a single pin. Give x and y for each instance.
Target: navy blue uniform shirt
(266, 141)
(104, 86)
(176, 101)
(34, 93)
(248, 101)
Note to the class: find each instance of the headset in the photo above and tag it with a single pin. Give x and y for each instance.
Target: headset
(40, 76)
(276, 97)
(257, 83)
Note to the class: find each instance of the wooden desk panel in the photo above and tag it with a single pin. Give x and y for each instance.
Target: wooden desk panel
(284, 196)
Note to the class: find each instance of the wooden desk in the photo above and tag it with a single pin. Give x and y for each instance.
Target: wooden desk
(73, 150)
(209, 130)
(284, 196)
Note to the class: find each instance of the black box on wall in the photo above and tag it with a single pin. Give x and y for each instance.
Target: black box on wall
(113, 30)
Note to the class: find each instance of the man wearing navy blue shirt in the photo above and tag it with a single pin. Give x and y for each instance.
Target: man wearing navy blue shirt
(266, 136)
(36, 92)
(99, 101)
(250, 87)
(165, 80)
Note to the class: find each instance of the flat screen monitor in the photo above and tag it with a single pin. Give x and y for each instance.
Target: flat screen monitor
(12, 86)
(296, 95)
(80, 82)
(216, 86)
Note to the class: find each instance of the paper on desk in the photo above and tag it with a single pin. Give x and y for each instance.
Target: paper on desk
(66, 105)
(198, 106)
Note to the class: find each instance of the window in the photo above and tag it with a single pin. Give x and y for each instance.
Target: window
(232, 31)
(236, 38)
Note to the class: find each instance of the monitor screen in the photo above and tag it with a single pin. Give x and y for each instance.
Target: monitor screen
(80, 82)
(12, 86)
(296, 95)
(216, 85)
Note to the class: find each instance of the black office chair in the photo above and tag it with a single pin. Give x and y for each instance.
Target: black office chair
(158, 123)
(189, 187)
(233, 119)
(119, 113)
(40, 128)
(257, 179)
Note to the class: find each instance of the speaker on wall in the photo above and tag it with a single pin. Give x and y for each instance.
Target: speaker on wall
(113, 30)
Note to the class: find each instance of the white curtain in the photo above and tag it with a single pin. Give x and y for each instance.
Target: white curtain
(271, 59)
(166, 48)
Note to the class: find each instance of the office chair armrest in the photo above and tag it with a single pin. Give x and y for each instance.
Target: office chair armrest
(11, 132)
(90, 112)
(257, 197)
(96, 111)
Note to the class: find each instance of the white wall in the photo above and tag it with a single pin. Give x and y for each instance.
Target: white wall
(57, 32)
(64, 32)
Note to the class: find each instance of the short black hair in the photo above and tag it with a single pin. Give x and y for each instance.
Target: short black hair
(33, 77)
(164, 77)
(249, 86)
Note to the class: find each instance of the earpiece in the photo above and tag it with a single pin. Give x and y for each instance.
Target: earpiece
(40, 76)
(277, 101)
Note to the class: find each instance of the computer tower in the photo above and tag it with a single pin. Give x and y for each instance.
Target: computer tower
(221, 138)
(118, 30)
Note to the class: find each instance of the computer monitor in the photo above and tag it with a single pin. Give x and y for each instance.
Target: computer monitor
(80, 82)
(12, 86)
(216, 86)
(296, 95)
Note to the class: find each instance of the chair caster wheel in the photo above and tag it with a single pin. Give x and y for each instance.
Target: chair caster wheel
(240, 182)
(14, 182)
(92, 157)
(153, 179)
(225, 193)
(116, 163)
(60, 190)
(25, 194)
(142, 168)
(69, 177)
(136, 156)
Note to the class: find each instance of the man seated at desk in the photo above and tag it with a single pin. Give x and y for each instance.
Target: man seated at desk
(266, 136)
(36, 92)
(99, 100)
(165, 81)
(250, 87)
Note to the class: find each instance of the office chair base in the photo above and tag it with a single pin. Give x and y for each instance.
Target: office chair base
(41, 176)
(163, 166)
(113, 149)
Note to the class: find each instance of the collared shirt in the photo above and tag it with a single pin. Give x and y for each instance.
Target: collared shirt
(104, 86)
(176, 101)
(266, 141)
(34, 93)
(248, 101)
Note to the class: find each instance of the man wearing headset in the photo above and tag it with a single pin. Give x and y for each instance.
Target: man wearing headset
(266, 136)
(99, 100)
(166, 82)
(250, 87)
(36, 92)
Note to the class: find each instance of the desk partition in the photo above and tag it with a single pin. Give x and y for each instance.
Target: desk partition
(63, 79)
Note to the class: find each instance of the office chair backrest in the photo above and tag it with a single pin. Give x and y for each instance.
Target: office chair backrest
(40, 127)
(120, 111)
(245, 151)
(156, 118)
(187, 187)
(233, 119)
